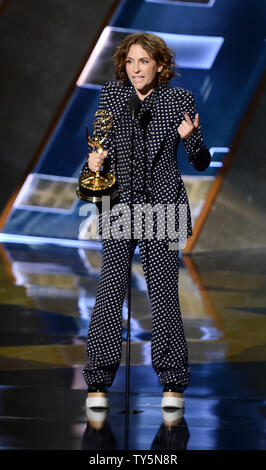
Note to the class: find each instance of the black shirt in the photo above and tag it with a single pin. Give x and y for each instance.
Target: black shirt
(143, 118)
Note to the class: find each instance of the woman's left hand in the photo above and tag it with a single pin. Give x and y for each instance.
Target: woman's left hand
(187, 127)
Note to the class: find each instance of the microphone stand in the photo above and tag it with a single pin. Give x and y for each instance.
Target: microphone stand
(134, 105)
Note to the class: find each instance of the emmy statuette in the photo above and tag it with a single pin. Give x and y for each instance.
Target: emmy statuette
(93, 185)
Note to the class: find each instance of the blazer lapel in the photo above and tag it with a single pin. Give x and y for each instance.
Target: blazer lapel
(164, 118)
(165, 115)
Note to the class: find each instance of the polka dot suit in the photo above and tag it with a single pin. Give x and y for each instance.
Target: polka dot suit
(156, 179)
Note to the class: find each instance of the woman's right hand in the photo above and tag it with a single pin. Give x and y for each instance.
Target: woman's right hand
(95, 160)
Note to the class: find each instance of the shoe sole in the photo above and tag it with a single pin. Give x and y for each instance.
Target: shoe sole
(97, 400)
(172, 401)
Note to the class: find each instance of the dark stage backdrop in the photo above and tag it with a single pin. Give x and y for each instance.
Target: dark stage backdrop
(43, 44)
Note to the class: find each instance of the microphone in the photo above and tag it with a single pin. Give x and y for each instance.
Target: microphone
(134, 105)
(145, 120)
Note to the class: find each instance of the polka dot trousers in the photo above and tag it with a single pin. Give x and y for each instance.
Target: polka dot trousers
(168, 343)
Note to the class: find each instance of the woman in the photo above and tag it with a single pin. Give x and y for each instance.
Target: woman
(144, 66)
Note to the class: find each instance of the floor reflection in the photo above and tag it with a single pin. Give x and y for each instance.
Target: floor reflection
(172, 434)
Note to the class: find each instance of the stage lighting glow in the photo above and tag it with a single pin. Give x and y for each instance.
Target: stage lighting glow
(94, 55)
(216, 164)
(28, 239)
(184, 3)
(214, 150)
(191, 51)
(32, 240)
(50, 193)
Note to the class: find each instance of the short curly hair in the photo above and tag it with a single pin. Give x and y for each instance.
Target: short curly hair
(157, 50)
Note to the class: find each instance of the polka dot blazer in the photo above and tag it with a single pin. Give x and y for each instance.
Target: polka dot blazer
(164, 183)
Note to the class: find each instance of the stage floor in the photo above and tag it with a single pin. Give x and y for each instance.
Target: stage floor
(47, 296)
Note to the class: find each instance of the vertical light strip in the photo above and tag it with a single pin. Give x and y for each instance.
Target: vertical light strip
(94, 55)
